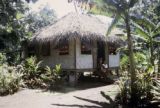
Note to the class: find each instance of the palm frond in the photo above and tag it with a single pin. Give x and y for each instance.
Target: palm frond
(114, 22)
(100, 7)
(118, 4)
(156, 32)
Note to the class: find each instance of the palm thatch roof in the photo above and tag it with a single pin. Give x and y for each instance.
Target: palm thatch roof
(74, 25)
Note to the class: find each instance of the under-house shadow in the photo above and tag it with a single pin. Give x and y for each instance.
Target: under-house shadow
(84, 83)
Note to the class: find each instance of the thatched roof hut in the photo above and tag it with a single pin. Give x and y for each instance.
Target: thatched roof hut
(74, 25)
(78, 43)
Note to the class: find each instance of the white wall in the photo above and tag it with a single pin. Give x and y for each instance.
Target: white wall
(114, 60)
(67, 61)
(83, 61)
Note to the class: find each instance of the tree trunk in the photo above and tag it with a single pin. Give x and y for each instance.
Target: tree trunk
(158, 63)
(151, 58)
(131, 59)
(151, 51)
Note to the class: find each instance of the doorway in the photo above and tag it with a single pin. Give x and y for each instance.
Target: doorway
(100, 53)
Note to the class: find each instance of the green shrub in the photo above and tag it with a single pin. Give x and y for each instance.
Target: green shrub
(123, 96)
(141, 62)
(36, 77)
(124, 63)
(144, 83)
(156, 92)
(53, 76)
(2, 59)
(31, 73)
(10, 80)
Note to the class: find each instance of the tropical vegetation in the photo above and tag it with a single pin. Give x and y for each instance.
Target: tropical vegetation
(10, 80)
(140, 21)
(140, 62)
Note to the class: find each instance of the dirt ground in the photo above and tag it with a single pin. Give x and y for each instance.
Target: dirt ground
(85, 95)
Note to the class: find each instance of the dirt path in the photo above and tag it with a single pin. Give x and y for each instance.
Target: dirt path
(86, 98)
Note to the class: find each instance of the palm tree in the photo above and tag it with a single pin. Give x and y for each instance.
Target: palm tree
(123, 10)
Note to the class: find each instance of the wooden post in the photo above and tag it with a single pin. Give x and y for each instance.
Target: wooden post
(107, 54)
(75, 55)
(73, 75)
(39, 55)
(72, 78)
(94, 54)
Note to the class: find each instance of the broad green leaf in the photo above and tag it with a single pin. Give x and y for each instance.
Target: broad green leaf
(48, 69)
(19, 15)
(156, 41)
(58, 69)
(141, 37)
(145, 22)
(9, 29)
(140, 31)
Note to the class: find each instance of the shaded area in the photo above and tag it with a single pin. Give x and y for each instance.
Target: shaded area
(83, 83)
(108, 104)
(76, 105)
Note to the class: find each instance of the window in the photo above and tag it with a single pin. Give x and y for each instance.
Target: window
(85, 48)
(112, 50)
(46, 49)
(64, 49)
(31, 51)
